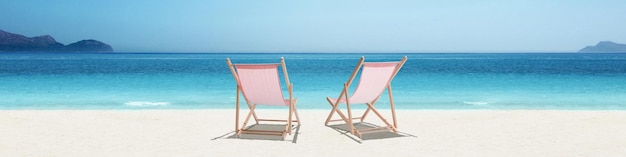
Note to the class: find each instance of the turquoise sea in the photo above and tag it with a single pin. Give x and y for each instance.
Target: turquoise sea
(114, 81)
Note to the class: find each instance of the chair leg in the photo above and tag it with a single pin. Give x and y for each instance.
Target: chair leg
(283, 135)
(365, 114)
(245, 123)
(288, 127)
(295, 111)
(330, 115)
(237, 131)
(393, 110)
(368, 110)
(381, 117)
(251, 107)
(395, 122)
(335, 109)
(349, 121)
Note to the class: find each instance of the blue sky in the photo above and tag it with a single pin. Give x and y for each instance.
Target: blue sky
(323, 25)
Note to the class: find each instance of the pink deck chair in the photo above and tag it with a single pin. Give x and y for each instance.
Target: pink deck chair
(260, 85)
(375, 77)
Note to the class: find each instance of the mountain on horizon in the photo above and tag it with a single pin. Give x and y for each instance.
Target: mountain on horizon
(11, 42)
(605, 46)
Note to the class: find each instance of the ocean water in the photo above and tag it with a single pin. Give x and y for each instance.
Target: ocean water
(114, 81)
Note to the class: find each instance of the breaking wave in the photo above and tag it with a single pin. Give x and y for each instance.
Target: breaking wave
(146, 103)
(476, 103)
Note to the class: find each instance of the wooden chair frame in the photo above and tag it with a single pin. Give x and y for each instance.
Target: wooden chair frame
(292, 107)
(370, 105)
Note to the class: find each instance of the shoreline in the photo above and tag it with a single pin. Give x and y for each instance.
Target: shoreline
(208, 132)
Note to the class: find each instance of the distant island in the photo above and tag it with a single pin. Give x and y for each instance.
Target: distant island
(605, 46)
(10, 42)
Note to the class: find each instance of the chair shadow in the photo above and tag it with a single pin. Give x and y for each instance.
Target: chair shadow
(344, 129)
(295, 131)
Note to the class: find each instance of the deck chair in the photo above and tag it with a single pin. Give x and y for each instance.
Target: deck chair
(260, 85)
(375, 77)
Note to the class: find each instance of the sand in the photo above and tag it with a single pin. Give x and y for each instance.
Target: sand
(153, 133)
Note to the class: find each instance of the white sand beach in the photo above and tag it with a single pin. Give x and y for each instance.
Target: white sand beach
(151, 133)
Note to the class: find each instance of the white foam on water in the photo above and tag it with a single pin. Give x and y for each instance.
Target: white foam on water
(476, 103)
(146, 103)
